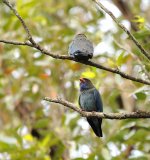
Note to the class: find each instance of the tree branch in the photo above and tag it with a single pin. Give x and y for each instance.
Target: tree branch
(17, 43)
(143, 51)
(33, 44)
(138, 114)
(89, 63)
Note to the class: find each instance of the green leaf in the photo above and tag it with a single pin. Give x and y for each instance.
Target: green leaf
(120, 59)
(140, 96)
(42, 123)
(142, 34)
(88, 74)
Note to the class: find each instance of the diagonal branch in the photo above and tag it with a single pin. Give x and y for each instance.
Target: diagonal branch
(143, 51)
(33, 44)
(138, 114)
(89, 63)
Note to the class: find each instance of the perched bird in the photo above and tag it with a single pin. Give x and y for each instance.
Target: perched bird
(90, 100)
(81, 48)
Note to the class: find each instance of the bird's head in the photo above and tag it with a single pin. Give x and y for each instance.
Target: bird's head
(85, 84)
(80, 35)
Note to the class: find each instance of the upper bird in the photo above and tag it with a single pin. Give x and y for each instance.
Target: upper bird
(90, 100)
(81, 48)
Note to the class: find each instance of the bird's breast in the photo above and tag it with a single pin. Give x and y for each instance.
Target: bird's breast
(87, 101)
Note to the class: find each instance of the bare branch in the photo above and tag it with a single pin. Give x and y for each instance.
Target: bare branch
(143, 51)
(89, 63)
(138, 114)
(17, 43)
(33, 44)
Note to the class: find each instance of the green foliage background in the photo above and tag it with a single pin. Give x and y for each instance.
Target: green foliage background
(34, 129)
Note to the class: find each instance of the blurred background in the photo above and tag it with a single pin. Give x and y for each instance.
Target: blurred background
(35, 129)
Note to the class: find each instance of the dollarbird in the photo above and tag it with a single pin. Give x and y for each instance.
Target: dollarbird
(90, 100)
(81, 48)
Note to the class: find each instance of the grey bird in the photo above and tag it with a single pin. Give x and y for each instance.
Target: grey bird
(81, 48)
(90, 100)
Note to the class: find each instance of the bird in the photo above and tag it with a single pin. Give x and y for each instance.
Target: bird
(90, 100)
(81, 48)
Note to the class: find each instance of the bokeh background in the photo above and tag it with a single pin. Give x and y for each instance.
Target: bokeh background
(35, 129)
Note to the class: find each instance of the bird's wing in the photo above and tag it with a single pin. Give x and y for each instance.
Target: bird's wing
(70, 48)
(90, 47)
(98, 101)
(79, 100)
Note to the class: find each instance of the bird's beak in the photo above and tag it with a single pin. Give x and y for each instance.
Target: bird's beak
(82, 80)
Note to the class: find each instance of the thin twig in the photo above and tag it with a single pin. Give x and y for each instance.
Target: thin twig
(138, 114)
(143, 51)
(17, 43)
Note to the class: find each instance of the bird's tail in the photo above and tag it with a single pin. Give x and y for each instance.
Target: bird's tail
(81, 55)
(95, 123)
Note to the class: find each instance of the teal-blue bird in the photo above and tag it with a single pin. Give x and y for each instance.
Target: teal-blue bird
(90, 100)
(81, 48)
